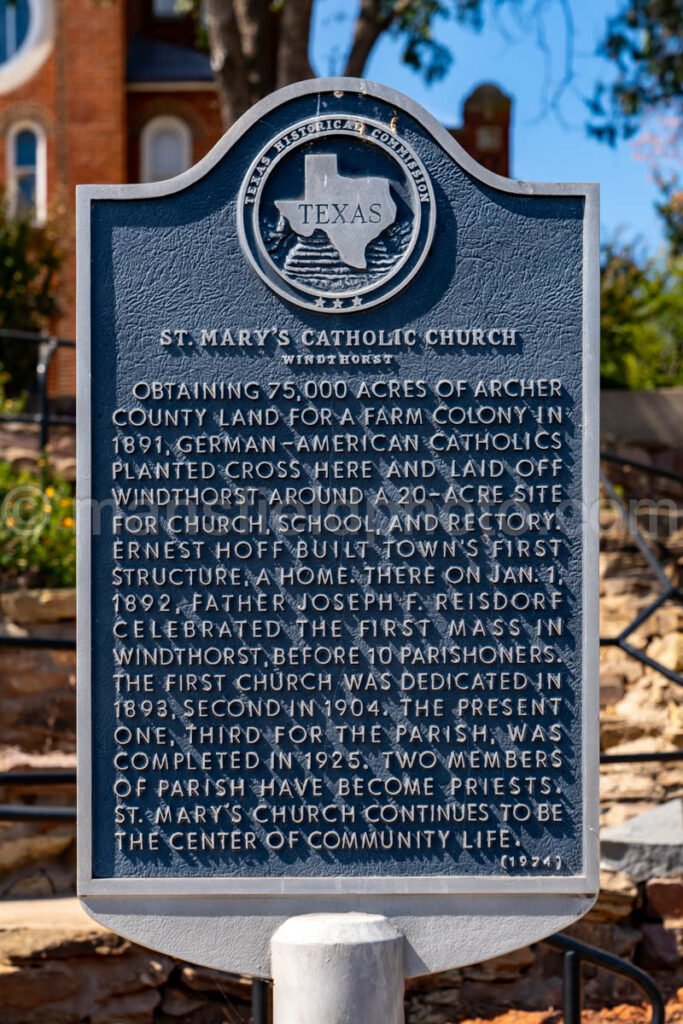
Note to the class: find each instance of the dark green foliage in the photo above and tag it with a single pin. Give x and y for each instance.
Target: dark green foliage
(644, 42)
(671, 211)
(412, 22)
(37, 539)
(640, 320)
(30, 259)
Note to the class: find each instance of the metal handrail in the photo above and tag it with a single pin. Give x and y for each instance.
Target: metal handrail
(48, 777)
(29, 812)
(575, 953)
(55, 643)
(642, 758)
(34, 337)
(646, 467)
(35, 417)
(47, 346)
(38, 812)
(667, 590)
(51, 643)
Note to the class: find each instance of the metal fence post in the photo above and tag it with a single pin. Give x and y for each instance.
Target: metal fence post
(260, 1001)
(571, 990)
(45, 353)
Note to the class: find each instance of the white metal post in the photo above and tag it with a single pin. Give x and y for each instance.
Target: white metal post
(337, 969)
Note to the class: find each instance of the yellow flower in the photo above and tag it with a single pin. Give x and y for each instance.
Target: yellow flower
(65, 502)
(68, 521)
(49, 491)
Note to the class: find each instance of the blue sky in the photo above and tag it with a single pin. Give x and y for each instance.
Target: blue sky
(544, 147)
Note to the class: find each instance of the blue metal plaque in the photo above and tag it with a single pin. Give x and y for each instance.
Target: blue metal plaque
(338, 559)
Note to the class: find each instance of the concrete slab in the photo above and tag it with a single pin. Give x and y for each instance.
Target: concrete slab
(647, 846)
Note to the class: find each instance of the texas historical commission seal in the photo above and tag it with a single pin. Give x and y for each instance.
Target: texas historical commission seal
(337, 214)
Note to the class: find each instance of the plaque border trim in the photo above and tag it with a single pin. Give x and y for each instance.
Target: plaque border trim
(183, 886)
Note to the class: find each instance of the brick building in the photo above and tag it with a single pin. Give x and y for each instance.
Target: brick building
(120, 92)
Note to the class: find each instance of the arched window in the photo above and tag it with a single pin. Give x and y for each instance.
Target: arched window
(14, 25)
(26, 36)
(166, 148)
(27, 171)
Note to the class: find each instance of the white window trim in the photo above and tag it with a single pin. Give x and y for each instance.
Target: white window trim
(41, 167)
(155, 126)
(34, 50)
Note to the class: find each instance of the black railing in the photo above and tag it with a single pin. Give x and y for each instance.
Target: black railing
(260, 1001)
(36, 643)
(575, 953)
(642, 758)
(47, 346)
(36, 812)
(668, 591)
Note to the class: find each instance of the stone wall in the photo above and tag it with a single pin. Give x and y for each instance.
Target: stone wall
(640, 709)
(58, 967)
(91, 975)
(66, 969)
(37, 732)
(644, 425)
(641, 923)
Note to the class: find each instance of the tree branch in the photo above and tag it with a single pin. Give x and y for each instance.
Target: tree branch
(227, 59)
(370, 24)
(293, 64)
(257, 24)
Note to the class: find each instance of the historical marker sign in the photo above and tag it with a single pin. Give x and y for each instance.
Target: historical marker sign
(338, 400)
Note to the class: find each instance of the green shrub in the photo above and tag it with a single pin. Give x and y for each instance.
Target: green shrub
(10, 405)
(30, 259)
(640, 320)
(37, 537)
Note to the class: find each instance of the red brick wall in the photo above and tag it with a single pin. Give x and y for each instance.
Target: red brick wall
(93, 128)
(200, 110)
(78, 96)
(91, 112)
(35, 101)
(93, 124)
(485, 132)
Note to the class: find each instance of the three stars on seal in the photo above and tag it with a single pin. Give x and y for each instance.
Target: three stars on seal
(327, 304)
